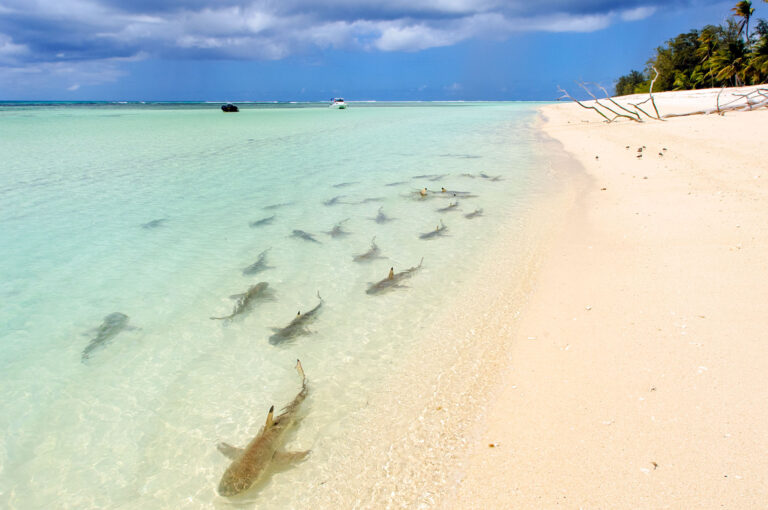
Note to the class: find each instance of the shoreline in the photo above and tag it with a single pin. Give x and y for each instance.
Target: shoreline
(636, 377)
(417, 427)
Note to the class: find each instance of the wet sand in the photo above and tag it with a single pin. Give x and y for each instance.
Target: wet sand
(637, 374)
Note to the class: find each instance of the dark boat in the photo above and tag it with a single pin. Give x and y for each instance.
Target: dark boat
(229, 108)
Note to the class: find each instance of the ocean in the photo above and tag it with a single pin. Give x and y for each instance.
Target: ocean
(125, 228)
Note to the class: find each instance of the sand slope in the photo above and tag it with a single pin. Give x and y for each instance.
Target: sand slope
(639, 373)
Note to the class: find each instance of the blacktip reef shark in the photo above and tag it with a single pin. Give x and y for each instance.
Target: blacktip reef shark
(494, 178)
(450, 207)
(250, 464)
(439, 231)
(300, 234)
(338, 229)
(393, 280)
(276, 206)
(260, 264)
(245, 300)
(333, 201)
(382, 218)
(474, 214)
(373, 253)
(263, 221)
(298, 326)
(154, 223)
(113, 324)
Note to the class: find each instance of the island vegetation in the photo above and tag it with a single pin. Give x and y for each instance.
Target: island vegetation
(729, 55)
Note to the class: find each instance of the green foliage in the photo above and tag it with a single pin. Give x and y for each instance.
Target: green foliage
(627, 84)
(715, 56)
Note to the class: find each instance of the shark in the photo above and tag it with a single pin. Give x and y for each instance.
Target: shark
(112, 325)
(251, 464)
(245, 300)
(474, 214)
(260, 264)
(439, 231)
(494, 178)
(450, 207)
(333, 201)
(338, 230)
(345, 184)
(154, 223)
(381, 217)
(398, 183)
(263, 221)
(393, 280)
(276, 206)
(300, 234)
(298, 326)
(372, 253)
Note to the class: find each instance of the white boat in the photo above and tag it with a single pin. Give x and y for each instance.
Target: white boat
(338, 102)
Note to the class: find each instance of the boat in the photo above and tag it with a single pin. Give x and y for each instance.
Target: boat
(338, 102)
(229, 108)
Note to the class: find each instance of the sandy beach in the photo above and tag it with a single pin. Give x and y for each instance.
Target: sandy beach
(637, 372)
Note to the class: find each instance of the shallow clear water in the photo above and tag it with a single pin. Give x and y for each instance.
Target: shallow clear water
(136, 424)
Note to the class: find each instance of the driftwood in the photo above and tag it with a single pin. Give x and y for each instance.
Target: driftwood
(757, 98)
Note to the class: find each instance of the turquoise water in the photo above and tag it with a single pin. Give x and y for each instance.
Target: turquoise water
(146, 211)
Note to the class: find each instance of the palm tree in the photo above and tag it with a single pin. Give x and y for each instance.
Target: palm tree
(708, 41)
(744, 10)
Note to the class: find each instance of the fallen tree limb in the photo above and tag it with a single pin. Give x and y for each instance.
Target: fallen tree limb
(566, 94)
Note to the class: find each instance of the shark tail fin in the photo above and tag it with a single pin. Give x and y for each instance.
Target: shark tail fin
(319, 296)
(270, 415)
(421, 261)
(300, 370)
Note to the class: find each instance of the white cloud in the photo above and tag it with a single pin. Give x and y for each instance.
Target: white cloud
(638, 13)
(74, 87)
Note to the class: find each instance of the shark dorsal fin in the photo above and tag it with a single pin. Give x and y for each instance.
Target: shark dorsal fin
(269, 422)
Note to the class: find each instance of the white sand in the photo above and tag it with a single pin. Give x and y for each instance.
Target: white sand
(639, 370)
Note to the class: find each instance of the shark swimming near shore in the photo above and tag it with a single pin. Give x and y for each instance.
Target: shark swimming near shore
(494, 178)
(450, 207)
(398, 183)
(474, 214)
(298, 326)
(246, 300)
(263, 221)
(382, 218)
(393, 280)
(338, 229)
(251, 463)
(438, 232)
(345, 184)
(373, 253)
(154, 223)
(260, 264)
(333, 201)
(300, 234)
(276, 206)
(112, 325)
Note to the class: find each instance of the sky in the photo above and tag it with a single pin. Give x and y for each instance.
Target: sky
(312, 50)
